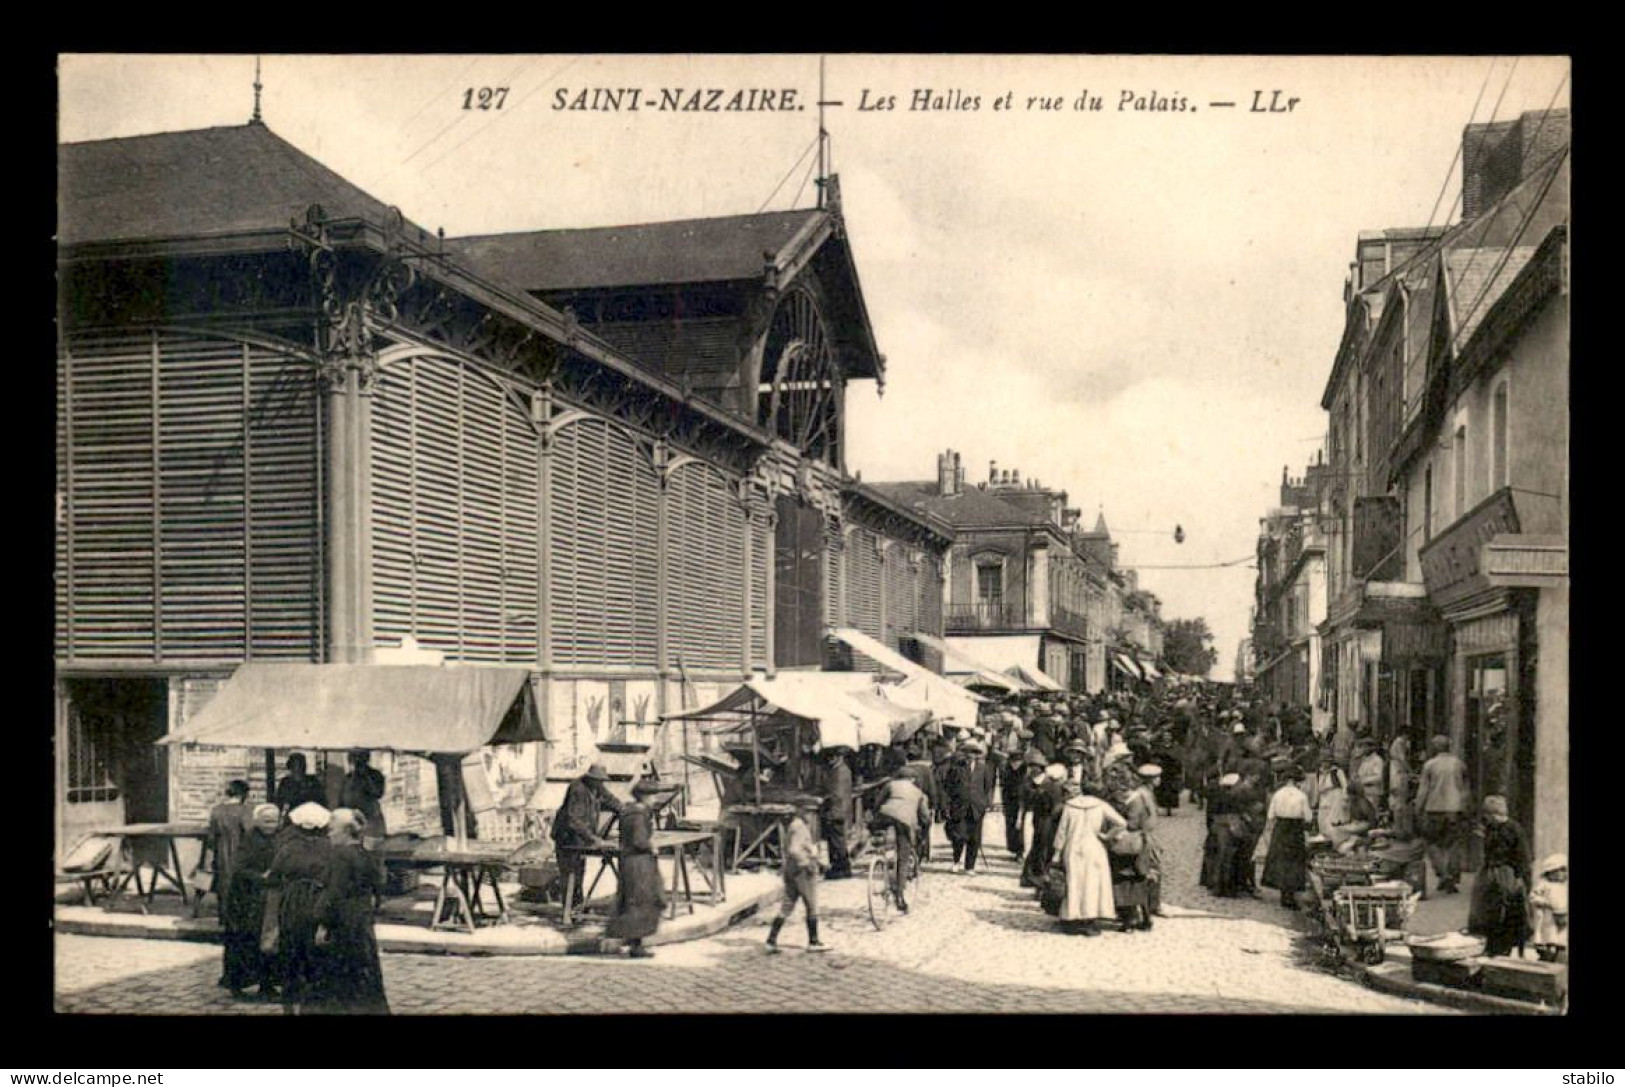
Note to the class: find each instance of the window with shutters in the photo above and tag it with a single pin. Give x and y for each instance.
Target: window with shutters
(189, 478)
(863, 594)
(798, 589)
(930, 587)
(899, 590)
(455, 467)
(603, 549)
(705, 571)
(834, 587)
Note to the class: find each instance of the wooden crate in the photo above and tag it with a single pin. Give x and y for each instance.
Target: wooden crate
(1538, 982)
(1460, 974)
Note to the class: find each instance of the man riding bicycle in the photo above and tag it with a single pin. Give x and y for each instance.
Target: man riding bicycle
(904, 807)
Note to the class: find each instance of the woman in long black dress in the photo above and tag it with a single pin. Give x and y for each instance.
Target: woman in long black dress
(293, 888)
(242, 908)
(352, 979)
(638, 897)
(1499, 911)
(1225, 828)
(1287, 826)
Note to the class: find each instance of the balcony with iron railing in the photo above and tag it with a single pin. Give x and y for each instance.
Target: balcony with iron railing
(979, 616)
(1005, 617)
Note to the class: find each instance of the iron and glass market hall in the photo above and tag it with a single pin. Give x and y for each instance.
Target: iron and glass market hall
(293, 425)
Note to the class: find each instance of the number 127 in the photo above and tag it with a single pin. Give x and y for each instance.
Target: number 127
(485, 97)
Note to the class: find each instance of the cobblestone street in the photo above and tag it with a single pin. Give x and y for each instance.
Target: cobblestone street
(974, 944)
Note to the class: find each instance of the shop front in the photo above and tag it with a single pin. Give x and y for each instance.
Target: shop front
(1504, 595)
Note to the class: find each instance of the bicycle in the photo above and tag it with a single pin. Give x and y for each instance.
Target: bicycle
(879, 885)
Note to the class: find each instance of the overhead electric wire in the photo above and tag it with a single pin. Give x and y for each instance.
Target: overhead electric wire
(1523, 224)
(811, 166)
(456, 79)
(1473, 257)
(551, 76)
(1430, 247)
(1233, 563)
(787, 175)
(462, 115)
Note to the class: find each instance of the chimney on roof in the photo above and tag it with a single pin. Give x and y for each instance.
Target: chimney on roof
(992, 471)
(945, 474)
(1015, 476)
(1496, 157)
(959, 475)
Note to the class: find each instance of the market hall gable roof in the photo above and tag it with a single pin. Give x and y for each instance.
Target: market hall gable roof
(716, 250)
(210, 181)
(697, 299)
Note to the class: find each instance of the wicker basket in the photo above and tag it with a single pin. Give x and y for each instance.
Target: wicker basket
(1449, 947)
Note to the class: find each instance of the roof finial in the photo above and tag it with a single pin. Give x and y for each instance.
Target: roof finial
(822, 182)
(256, 119)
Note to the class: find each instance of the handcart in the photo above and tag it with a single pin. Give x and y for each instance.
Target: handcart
(1359, 913)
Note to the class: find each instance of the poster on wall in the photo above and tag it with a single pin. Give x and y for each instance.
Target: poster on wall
(580, 716)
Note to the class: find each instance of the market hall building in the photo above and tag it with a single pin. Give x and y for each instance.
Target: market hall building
(292, 425)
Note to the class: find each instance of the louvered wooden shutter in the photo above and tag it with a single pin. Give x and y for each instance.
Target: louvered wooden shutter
(455, 491)
(898, 590)
(604, 549)
(111, 499)
(190, 475)
(834, 562)
(931, 595)
(201, 510)
(284, 502)
(761, 562)
(706, 612)
(863, 596)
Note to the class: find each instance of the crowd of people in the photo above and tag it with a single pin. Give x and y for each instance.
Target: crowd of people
(1083, 779)
(298, 891)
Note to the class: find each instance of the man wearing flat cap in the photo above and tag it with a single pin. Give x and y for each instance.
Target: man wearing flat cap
(575, 827)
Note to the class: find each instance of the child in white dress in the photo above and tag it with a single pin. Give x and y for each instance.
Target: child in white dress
(1550, 899)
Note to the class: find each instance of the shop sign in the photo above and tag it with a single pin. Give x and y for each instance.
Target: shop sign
(1452, 559)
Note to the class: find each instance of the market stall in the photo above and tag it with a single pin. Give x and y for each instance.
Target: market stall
(432, 711)
(769, 728)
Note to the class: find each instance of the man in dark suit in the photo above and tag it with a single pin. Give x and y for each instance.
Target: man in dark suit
(969, 790)
(837, 812)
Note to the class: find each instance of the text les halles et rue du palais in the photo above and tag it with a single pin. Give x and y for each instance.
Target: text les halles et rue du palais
(919, 100)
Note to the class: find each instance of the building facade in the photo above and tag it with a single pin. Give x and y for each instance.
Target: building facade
(1447, 502)
(293, 425)
(1290, 599)
(1028, 586)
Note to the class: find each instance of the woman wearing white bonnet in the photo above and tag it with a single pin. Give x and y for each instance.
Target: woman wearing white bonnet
(310, 816)
(293, 886)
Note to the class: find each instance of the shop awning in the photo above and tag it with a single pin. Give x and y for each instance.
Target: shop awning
(945, 698)
(967, 669)
(846, 707)
(1034, 678)
(413, 709)
(1150, 670)
(1125, 665)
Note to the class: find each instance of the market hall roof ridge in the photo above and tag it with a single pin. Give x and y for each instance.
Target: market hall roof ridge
(224, 180)
(702, 250)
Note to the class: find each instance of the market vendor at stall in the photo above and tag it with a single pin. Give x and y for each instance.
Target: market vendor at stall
(575, 827)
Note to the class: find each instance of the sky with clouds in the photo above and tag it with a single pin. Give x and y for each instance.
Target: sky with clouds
(1138, 306)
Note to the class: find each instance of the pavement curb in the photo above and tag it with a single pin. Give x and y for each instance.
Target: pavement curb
(1394, 978)
(406, 939)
